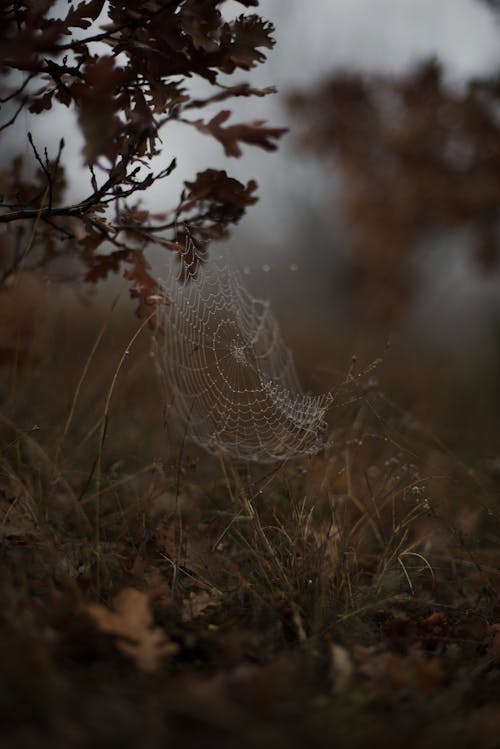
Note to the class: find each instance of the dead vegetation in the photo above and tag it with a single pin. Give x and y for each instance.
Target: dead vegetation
(153, 598)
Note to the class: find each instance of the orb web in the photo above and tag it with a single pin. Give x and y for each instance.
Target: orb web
(228, 379)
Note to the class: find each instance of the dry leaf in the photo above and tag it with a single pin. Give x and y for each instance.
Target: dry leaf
(414, 672)
(255, 133)
(197, 603)
(195, 553)
(132, 624)
(342, 668)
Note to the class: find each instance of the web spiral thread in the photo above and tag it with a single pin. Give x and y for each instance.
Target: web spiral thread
(228, 379)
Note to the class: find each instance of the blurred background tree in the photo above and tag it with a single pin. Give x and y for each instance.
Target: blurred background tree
(416, 157)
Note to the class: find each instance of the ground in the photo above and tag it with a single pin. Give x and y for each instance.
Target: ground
(153, 595)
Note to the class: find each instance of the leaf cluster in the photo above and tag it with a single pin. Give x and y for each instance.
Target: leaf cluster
(125, 84)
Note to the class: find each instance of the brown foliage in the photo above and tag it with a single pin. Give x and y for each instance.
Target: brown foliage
(122, 100)
(416, 157)
(255, 133)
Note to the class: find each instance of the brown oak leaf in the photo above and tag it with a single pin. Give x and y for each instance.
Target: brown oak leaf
(255, 133)
(132, 624)
(83, 14)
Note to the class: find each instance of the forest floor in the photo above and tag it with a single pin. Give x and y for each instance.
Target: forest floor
(349, 599)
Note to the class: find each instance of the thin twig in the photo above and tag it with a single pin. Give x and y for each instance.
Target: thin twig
(13, 118)
(19, 257)
(18, 91)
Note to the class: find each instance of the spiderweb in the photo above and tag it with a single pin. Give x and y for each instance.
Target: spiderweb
(229, 380)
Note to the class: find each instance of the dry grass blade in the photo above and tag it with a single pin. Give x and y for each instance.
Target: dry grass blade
(85, 370)
(102, 436)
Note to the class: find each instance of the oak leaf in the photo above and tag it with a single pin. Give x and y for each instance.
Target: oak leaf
(217, 187)
(83, 14)
(242, 39)
(255, 133)
(132, 624)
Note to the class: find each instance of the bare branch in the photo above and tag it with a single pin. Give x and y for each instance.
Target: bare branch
(18, 90)
(14, 117)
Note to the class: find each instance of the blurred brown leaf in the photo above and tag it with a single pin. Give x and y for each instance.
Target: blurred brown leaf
(132, 624)
(256, 133)
(414, 672)
(416, 156)
(342, 668)
(198, 602)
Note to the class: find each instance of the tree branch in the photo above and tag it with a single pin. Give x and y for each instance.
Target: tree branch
(14, 116)
(18, 90)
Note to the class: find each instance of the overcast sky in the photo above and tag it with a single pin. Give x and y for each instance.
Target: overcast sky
(320, 36)
(385, 35)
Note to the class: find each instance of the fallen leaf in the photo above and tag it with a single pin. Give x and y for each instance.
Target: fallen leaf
(131, 623)
(414, 672)
(197, 603)
(342, 668)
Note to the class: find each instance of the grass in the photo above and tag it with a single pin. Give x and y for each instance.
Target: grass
(342, 600)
